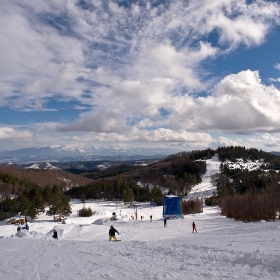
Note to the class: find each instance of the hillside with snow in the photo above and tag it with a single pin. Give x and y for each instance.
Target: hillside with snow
(222, 249)
(205, 188)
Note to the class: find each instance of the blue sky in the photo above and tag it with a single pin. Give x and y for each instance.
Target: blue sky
(181, 75)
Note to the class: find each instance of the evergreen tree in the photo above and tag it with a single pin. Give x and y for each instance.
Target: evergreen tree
(83, 198)
(60, 204)
(128, 195)
(31, 200)
(157, 195)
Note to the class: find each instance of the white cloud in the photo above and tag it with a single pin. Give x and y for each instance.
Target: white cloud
(102, 122)
(31, 54)
(159, 135)
(169, 135)
(225, 142)
(277, 66)
(246, 86)
(47, 46)
(11, 134)
(240, 104)
(266, 140)
(274, 80)
(141, 66)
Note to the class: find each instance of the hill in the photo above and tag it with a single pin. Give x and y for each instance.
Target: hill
(174, 174)
(46, 177)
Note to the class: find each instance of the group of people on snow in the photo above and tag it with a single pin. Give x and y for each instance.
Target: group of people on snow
(19, 228)
(112, 230)
(193, 225)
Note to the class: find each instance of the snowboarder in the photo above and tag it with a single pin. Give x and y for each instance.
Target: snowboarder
(112, 233)
(55, 234)
(164, 222)
(18, 228)
(194, 227)
(26, 226)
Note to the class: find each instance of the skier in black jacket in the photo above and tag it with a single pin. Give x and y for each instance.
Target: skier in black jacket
(112, 233)
(55, 234)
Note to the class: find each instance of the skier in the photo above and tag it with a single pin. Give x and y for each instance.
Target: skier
(194, 227)
(18, 228)
(55, 234)
(164, 222)
(112, 233)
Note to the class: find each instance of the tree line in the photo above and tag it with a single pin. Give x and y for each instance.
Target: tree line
(233, 153)
(247, 195)
(177, 173)
(30, 199)
(120, 189)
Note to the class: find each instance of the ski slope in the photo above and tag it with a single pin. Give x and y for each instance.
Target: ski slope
(222, 249)
(205, 188)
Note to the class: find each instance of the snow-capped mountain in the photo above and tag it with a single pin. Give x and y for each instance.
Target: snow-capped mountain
(76, 153)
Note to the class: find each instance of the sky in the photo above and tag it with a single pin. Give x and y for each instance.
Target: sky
(177, 74)
(222, 249)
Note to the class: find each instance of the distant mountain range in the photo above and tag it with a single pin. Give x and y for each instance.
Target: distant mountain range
(69, 153)
(47, 155)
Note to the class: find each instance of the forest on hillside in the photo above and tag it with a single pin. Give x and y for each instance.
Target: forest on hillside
(242, 194)
(44, 177)
(174, 175)
(28, 192)
(247, 195)
(233, 153)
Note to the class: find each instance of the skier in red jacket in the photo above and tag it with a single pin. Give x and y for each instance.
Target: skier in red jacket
(194, 227)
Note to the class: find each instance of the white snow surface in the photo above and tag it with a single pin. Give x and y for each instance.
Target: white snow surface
(205, 188)
(222, 249)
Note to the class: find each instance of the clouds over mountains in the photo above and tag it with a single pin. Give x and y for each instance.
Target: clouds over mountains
(136, 71)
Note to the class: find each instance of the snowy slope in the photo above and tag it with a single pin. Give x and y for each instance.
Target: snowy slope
(222, 248)
(205, 188)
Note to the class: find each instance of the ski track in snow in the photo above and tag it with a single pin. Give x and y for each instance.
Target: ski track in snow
(222, 249)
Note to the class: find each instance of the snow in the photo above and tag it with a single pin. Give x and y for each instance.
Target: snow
(34, 166)
(222, 249)
(205, 188)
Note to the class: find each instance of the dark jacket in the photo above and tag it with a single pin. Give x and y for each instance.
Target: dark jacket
(55, 234)
(112, 231)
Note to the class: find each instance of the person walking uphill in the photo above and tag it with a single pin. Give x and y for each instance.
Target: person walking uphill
(194, 227)
(112, 233)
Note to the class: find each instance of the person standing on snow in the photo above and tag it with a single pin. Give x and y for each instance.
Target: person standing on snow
(194, 227)
(55, 234)
(112, 233)
(164, 222)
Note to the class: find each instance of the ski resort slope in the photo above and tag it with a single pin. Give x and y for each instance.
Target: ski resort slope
(205, 188)
(222, 249)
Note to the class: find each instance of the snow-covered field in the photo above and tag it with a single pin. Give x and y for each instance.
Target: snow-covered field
(222, 248)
